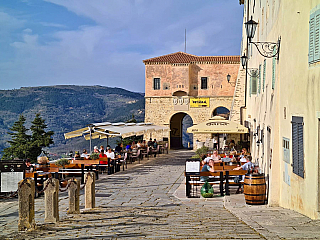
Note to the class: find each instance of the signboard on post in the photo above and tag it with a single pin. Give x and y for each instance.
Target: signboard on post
(192, 167)
(11, 172)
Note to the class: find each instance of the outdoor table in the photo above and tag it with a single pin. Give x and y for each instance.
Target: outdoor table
(223, 174)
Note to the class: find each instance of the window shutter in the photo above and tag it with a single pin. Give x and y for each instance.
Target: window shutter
(311, 37)
(259, 86)
(250, 87)
(274, 69)
(254, 85)
(316, 36)
(264, 73)
(297, 146)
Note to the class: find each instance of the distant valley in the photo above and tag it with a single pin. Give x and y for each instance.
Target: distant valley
(66, 108)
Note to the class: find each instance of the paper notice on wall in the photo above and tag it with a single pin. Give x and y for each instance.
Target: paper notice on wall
(10, 180)
(193, 167)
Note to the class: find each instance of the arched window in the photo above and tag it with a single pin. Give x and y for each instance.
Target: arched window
(221, 111)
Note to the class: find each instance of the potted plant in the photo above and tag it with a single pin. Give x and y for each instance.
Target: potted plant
(62, 163)
(94, 156)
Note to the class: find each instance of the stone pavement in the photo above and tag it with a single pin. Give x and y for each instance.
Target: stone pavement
(273, 222)
(139, 203)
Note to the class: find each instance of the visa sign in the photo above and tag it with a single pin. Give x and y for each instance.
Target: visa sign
(199, 102)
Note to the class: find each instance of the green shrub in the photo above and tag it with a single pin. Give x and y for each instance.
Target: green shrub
(94, 156)
(62, 162)
(200, 152)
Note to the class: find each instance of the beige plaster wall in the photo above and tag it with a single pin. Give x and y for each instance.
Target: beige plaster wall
(296, 93)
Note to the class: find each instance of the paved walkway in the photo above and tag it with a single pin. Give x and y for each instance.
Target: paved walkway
(137, 204)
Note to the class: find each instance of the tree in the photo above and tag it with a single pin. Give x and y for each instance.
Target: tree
(39, 138)
(132, 120)
(20, 143)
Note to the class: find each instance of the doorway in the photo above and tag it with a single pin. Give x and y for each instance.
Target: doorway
(179, 138)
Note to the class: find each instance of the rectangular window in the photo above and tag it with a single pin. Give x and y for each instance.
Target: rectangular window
(204, 82)
(297, 146)
(156, 83)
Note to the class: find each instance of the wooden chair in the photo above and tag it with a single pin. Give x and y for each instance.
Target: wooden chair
(147, 153)
(137, 156)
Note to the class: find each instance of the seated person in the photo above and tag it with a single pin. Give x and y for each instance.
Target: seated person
(102, 148)
(96, 150)
(128, 147)
(243, 155)
(205, 159)
(109, 153)
(102, 154)
(29, 166)
(118, 148)
(155, 144)
(77, 155)
(133, 145)
(247, 166)
(216, 157)
(207, 167)
(139, 144)
(150, 143)
(85, 154)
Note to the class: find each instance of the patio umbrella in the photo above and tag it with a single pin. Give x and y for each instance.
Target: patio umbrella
(218, 124)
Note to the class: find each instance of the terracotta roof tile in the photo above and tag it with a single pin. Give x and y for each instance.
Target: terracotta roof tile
(181, 57)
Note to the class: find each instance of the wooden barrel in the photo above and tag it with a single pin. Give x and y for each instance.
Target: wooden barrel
(255, 189)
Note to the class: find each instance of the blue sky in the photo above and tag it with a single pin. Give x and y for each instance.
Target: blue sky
(103, 42)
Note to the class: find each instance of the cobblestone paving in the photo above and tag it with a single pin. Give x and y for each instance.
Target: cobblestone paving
(137, 204)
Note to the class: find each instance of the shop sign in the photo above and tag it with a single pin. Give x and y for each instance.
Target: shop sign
(199, 102)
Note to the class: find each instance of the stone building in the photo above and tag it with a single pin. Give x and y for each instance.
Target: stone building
(283, 100)
(181, 84)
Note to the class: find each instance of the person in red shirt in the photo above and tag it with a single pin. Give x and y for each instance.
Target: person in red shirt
(102, 154)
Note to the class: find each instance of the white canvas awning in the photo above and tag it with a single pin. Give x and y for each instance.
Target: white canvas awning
(104, 130)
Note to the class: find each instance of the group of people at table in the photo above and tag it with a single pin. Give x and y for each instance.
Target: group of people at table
(208, 162)
(131, 147)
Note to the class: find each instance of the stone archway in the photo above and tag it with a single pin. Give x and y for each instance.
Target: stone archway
(221, 111)
(178, 125)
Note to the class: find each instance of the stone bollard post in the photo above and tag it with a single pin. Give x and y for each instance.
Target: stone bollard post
(90, 193)
(26, 190)
(51, 198)
(74, 196)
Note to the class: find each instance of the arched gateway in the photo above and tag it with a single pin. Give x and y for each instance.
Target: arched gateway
(179, 138)
(181, 86)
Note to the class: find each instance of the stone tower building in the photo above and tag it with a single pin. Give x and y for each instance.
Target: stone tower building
(181, 84)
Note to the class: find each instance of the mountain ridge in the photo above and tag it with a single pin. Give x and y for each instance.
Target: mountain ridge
(68, 107)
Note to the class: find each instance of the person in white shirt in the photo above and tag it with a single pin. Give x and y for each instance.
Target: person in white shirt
(109, 153)
(85, 154)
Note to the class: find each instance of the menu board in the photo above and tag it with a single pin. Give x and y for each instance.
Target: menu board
(193, 167)
(10, 180)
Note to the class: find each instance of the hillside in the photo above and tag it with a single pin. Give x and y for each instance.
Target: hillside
(66, 108)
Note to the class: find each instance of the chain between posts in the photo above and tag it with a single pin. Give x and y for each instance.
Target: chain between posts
(85, 182)
(14, 194)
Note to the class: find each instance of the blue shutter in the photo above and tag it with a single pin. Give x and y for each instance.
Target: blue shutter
(264, 73)
(311, 37)
(259, 86)
(316, 36)
(254, 84)
(297, 146)
(274, 69)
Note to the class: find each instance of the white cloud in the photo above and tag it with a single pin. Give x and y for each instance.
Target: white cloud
(56, 25)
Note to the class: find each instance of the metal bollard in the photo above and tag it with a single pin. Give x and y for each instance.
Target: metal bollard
(26, 190)
(51, 198)
(74, 196)
(90, 194)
